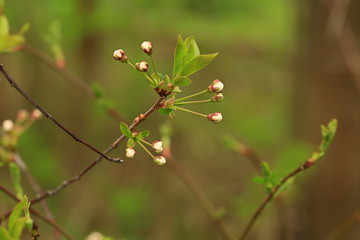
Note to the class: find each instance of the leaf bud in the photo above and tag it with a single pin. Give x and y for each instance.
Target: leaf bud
(147, 47)
(217, 97)
(157, 146)
(141, 66)
(159, 160)
(215, 117)
(130, 153)
(119, 55)
(169, 89)
(7, 125)
(216, 86)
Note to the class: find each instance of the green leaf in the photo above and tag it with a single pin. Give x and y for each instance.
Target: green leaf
(9, 42)
(4, 235)
(19, 225)
(181, 81)
(16, 177)
(197, 63)
(192, 49)
(125, 130)
(142, 135)
(131, 143)
(265, 169)
(179, 55)
(15, 215)
(4, 26)
(167, 78)
(24, 28)
(165, 111)
(258, 179)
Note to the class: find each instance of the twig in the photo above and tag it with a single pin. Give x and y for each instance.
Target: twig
(37, 213)
(46, 114)
(113, 146)
(271, 195)
(37, 189)
(73, 79)
(199, 195)
(350, 222)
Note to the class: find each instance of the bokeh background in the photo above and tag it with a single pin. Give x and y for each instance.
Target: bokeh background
(287, 66)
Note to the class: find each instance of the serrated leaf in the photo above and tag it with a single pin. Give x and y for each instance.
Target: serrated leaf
(181, 81)
(197, 63)
(131, 143)
(258, 179)
(179, 55)
(16, 177)
(165, 111)
(192, 49)
(4, 25)
(125, 130)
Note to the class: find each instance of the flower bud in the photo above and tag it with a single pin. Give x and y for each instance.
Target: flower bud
(119, 55)
(7, 125)
(94, 236)
(147, 47)
(169, 89)
(215, 117)
(130, 153)
(141, 66)
(157, 146)
(22, 115)
(217, 97)
(159, 160)
(216, 86)
(36, 114)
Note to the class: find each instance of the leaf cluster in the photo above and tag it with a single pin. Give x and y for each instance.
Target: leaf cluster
(269, 178)
(133, 137)
(9, 42)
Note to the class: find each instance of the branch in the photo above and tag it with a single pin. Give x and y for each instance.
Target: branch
(199, 195)
(113, 146)
(46, 114)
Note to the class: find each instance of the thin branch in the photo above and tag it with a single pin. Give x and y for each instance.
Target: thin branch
(349, 223)
(46, 114)
(271, 195)
(113, 146)
(199, 195)
(37, 213)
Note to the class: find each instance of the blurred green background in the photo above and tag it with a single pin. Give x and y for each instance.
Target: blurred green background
(283, 76)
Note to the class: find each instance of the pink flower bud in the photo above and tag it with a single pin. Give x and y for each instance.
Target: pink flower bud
(147, 47)
(142, 66)
(130, 153)
(160, 160)
(8, 125)
(215, 117)
(36, 114)
(216, 86)
(157, 146)
(217, 97)
(22, 115)
(119, 55)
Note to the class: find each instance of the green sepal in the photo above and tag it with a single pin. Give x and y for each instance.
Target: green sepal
(131, 143)
(181, 81)
(125, 130)
(197, 63)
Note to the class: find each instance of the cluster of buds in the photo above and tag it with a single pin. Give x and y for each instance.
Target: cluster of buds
(119, 55)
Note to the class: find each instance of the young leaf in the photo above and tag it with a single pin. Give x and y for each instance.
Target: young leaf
(265, 169)
(4, 235)
(258, 179)
(179, 55)
(125, 130)
(197, 63)
(19, 225)
(4, 26)
(181, 81)
(131, 143)
(142, 135)
(165, 111)
(192, 49)
(15, 215)
(167, 78)
(16, 176)
(24, 28)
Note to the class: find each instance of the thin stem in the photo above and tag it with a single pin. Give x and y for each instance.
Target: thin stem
(192, 102)
(142, 145)
(152, 61)
(190, 96)
(113, 146)
(187, 110)
(270, 196)
(146, 142)
(150, 77)
(47, 115)
(199, 195)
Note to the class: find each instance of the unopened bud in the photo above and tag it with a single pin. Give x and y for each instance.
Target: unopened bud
(22, 115)
(170, 102)
(130, 153)
(94, 236)
(217, 97)
(36, 114)
(141, 66)
(142, 117)
(157, 146)
(169, 89)
(7, 125)
(216, 86)
(119, 55)
(215, 117)
(147, 47)
(159, 160)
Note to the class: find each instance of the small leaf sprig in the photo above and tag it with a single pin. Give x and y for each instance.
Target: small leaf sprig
(187, 60)
(139, 138)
